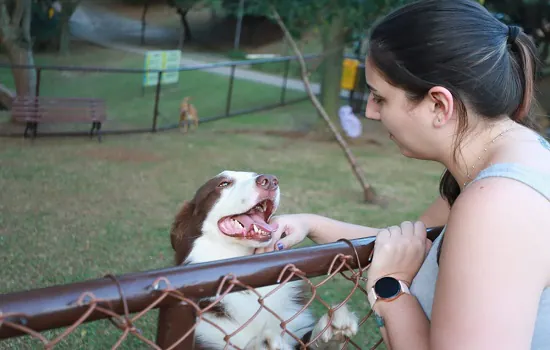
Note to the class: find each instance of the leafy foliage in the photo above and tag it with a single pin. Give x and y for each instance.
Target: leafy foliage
(301, 15)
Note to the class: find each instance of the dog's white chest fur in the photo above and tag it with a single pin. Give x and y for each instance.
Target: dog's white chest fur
(242, 306)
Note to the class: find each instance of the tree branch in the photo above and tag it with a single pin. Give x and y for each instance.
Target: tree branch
(18, 12)
(368, 191)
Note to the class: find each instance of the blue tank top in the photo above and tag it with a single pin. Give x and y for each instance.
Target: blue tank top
(423, 285)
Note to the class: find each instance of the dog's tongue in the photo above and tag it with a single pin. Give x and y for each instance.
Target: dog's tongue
(256, 218)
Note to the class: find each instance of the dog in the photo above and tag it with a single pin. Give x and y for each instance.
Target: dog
(228, 217)
(188, 112)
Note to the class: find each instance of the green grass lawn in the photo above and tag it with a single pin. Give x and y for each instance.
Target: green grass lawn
(73, 209)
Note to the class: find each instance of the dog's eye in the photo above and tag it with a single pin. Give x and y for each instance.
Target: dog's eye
(224, 184)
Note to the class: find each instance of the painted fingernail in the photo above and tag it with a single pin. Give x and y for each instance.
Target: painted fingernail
(279, 246)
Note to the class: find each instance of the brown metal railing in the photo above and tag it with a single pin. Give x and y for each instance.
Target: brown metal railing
(175, 291)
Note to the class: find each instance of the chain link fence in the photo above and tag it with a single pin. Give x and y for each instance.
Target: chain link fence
(185, 295)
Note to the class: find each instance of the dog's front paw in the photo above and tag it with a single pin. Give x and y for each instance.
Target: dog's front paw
(268, 341)
(345, 324)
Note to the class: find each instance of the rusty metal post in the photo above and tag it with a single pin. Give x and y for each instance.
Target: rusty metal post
(174, 321)
(157, 98)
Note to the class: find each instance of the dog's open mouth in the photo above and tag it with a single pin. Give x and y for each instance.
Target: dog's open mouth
(250, 225)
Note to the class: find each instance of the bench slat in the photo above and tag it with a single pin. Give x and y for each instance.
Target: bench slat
(55, 109)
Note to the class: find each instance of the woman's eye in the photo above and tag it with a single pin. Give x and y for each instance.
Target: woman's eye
(377, 99)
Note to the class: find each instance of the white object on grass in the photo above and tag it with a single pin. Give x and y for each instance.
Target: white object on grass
(349, 122)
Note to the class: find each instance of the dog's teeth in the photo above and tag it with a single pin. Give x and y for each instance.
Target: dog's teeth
(264, 206)
(255, 228)
(237, 224)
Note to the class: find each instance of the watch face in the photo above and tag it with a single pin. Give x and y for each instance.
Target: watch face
(387, 287)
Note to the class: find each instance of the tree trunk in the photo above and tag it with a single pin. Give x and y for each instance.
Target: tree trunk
(16, 39)
(144, 21)
(64, 38)
(24, 78)
(185, 24)
(67, 9)
(333, 37)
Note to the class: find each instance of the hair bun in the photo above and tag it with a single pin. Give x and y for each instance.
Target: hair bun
(513, 32)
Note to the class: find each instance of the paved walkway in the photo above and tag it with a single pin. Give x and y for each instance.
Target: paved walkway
(107, 29)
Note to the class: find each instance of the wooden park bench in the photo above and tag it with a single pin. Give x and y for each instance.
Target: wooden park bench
(41, 109)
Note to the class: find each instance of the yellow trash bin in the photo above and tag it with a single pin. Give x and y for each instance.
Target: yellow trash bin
(349, 73)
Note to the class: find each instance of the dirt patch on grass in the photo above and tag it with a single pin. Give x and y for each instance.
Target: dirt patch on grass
(121, 154)
(304, 136)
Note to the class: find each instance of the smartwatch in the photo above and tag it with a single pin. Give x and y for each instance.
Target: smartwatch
(387, 289)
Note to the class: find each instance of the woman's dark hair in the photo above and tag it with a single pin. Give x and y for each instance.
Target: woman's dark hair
(459, 45)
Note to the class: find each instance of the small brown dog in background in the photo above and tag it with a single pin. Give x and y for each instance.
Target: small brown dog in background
(188, 112)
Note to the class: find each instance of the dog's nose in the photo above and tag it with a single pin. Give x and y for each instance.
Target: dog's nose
(267, 182)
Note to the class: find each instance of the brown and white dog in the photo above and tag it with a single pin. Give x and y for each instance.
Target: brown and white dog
(229, 217)
(188, 112)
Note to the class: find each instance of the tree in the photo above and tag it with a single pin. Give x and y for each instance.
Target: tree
(15, 38)
(339, 21)
(182, 7)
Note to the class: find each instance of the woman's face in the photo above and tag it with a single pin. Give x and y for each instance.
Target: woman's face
(409, 125)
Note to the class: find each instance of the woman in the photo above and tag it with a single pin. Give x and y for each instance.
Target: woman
(454, 85)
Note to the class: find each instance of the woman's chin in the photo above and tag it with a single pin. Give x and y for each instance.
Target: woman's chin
(405, 151)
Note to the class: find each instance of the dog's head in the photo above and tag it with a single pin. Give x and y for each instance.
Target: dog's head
(234, 207)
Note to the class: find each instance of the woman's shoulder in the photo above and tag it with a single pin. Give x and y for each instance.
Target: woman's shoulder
(505, 206)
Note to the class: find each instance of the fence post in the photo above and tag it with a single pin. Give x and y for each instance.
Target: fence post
(359, 88)
(285, 78)
(37, 88)
(230, 91)
(157, 97)
(174, 321)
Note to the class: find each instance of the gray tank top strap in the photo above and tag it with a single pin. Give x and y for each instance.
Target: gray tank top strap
(534, 178)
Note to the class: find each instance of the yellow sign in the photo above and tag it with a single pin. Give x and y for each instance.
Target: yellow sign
(349, 73)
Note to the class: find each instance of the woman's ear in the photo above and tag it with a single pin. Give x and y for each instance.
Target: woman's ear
(442, 105)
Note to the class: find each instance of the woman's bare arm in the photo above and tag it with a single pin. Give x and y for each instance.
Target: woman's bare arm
(326, 230)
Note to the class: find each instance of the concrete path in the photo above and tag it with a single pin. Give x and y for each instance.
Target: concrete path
(107, 29)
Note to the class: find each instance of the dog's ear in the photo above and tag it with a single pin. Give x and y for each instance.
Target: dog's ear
(181, 235)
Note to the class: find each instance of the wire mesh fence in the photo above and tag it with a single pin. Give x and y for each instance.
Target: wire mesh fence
(218, 90)
(189, 299)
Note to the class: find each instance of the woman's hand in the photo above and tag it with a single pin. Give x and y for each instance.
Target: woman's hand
(294, 227)
(398, 252)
